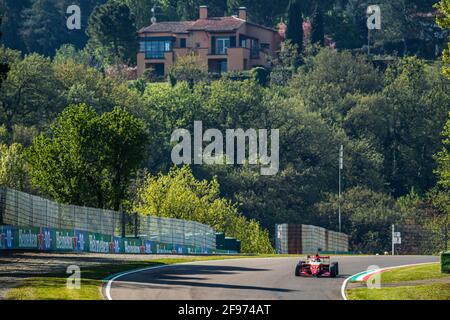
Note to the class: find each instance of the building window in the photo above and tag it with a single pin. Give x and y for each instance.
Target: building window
(183, 43)
(223, 66)
(222, 45)
(254, 49)
(155, 49)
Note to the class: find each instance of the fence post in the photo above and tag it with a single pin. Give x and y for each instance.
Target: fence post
(135, 225)
(123, 221)
(2, 204)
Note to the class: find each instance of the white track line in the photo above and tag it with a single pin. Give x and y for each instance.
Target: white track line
(117, 276)
(344, 285)
(110, 281)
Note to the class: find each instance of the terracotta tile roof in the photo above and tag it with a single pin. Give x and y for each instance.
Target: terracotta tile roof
(169, 26)
(217, 24)
(212, 24)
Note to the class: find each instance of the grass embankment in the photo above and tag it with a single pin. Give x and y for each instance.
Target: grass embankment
(54, 286)
(424, 282)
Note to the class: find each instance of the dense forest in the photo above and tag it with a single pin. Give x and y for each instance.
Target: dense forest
(75, 128)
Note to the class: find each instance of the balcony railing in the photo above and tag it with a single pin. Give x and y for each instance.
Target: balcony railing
(155, 54)
(254, 53)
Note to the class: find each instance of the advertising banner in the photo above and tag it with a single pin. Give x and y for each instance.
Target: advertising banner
(117, 245)
(28, 238)
(149, 247)
(64, 240)
(99, 243)
(49, 239)
(164, 248)
(46, 239)
(133, 246)
(81, 241)
(6, 237)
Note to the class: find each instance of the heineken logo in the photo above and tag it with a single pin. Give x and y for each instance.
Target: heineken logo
(64, 241)
(132, 248)
(28, 239)
(162, 249)
(98, 245)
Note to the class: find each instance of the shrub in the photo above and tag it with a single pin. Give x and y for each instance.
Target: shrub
(445, 262)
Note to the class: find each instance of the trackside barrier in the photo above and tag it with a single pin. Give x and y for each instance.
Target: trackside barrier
(307, 239)
(29, 222)
(48, 239)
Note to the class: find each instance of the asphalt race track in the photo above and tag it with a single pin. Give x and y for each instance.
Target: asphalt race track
(243, 279)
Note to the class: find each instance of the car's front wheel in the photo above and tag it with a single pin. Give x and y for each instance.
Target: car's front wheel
(298, 271)
(334, 269)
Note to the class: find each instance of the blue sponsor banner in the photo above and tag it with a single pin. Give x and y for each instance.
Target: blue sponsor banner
(46, 239)
(81, 241)
(149, 247)
(117, 244)
(179, 249)
(6, 237)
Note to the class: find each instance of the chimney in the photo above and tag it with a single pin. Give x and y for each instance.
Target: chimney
(243, 13)
(203, 12)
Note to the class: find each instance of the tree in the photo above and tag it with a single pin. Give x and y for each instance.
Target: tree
(69, 52)
(13, 167)
(443, 159)
(43, 29)
(31, 93)
(141, 10)
(11, 12)
(444, 22)
(263, 12)
(367, 220)
(179, 195)
(294, 31)
(88, 160)
(111, 28)
(285, 65)
(418, 99)
(317, 25)
(188, 68)
(123, 143)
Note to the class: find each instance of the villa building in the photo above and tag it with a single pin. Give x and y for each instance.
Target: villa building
(222, 43)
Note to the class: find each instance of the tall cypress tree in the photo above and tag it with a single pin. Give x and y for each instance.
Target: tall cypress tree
(294, 31)
(4, 67)
(11, 12)
(317, 25)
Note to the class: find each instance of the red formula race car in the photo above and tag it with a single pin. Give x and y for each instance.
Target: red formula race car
(317, 266)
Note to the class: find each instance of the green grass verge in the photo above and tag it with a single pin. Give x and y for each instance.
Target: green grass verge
(424, 292)
(423, 272)
(435, 291)
(54, 286)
